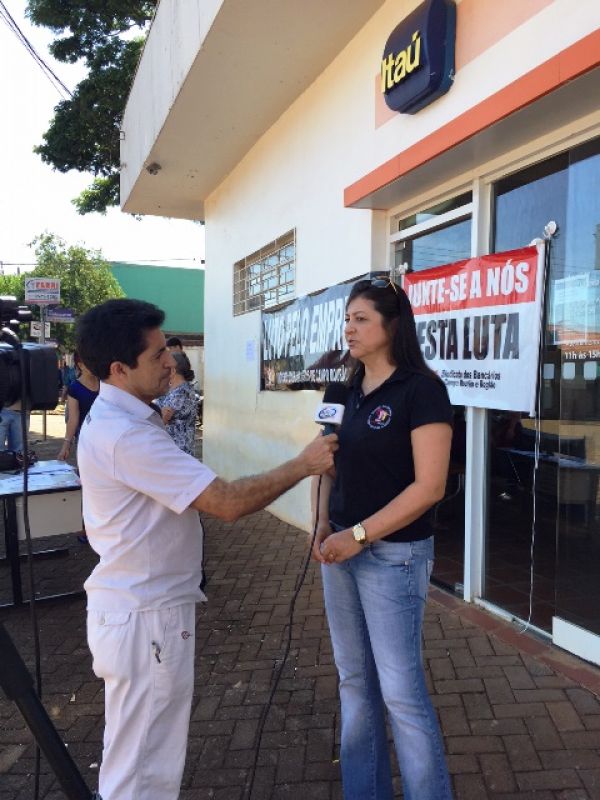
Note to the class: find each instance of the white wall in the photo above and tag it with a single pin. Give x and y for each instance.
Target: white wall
(196, 357)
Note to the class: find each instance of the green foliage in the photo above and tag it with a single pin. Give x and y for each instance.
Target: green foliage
(84, 133)
(90, 24)
(85, 280)
(11, 285)
(102, 193)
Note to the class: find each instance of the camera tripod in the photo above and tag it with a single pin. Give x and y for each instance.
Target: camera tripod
(17, 684)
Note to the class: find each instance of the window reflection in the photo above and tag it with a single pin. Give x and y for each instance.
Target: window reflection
(563, 476)
(449, 513)
(442, 246)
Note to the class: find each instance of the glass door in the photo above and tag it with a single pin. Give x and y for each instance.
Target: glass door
(441, 234)
(541, 543)
(575, 325)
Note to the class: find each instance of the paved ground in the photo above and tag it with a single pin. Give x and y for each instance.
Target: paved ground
(520, 719)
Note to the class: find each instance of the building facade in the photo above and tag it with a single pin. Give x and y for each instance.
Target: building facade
(270, 122)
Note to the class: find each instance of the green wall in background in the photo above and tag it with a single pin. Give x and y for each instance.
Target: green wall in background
(179, 292)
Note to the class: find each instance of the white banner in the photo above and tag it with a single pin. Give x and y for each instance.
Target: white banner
(478, 323)
(36, 329)
(42, 291)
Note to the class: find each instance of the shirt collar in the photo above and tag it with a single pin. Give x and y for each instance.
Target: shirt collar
(126, 401)
(399, 374)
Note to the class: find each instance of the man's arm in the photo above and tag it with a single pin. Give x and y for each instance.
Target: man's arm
(231, 500)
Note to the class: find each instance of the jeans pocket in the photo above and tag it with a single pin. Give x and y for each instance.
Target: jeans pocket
(391, 554)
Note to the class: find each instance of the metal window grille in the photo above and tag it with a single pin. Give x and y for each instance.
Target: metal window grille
(267, 277)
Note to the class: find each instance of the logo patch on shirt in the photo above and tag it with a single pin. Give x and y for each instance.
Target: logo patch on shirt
(185, 634)
(380, 418)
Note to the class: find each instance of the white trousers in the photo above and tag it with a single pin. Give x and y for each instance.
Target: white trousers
(146, 659)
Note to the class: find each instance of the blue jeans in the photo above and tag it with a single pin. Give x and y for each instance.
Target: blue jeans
(375, 603)
(10, 430)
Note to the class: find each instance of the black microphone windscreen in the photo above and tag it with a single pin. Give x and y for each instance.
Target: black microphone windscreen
(336, 393)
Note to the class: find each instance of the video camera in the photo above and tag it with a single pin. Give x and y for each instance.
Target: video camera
(29, 367)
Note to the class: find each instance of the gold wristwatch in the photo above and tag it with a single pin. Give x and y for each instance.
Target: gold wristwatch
(360, 534)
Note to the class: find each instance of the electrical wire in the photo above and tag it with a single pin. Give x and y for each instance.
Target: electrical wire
(11, 338)
(12, 25)
(31, 577)
(538, 434)
(267, 707)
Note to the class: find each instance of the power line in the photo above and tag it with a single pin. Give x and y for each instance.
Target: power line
(9, 21)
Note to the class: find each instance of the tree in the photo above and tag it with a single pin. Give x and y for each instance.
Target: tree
(85, 132)
(85, 280)
(10, 285)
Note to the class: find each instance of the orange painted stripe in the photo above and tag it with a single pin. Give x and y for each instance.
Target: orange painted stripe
(572, 62)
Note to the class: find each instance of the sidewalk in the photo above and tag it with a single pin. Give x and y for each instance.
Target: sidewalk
(520, 719)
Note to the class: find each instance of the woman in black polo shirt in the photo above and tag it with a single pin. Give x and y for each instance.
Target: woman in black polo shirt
(375, 544)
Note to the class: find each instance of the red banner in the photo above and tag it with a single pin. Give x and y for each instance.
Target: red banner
(494, 280)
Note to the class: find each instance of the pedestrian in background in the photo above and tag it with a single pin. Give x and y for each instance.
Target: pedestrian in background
(11, 431)
(81, 394)
(174, 344)
(179, 406)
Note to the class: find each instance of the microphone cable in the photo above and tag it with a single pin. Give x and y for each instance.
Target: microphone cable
(267, 707)
(29, 549)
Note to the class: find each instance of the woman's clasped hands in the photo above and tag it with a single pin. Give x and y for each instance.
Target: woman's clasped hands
(333, 548)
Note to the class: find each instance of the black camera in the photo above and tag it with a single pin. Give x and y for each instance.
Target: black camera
(29, 367)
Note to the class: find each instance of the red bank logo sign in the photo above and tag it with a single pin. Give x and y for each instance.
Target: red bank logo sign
(478, 323)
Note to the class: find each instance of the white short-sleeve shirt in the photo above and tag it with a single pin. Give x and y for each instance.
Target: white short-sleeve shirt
(137, 486)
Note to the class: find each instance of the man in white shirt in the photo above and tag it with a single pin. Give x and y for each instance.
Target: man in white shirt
(141, 497)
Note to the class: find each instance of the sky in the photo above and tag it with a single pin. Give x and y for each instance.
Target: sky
(34, 198)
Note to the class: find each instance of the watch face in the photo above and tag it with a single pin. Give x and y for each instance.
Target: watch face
(359, 533)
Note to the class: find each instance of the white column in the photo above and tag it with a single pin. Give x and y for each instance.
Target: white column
(476, 418)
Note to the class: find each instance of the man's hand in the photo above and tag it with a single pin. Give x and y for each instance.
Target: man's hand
(340, 547)
(317, 457)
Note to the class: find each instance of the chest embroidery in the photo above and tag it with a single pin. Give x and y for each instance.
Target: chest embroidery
(380, 418)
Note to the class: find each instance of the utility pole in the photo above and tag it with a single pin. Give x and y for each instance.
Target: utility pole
(42, 340)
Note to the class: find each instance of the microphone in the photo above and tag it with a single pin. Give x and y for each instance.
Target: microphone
(330, 412)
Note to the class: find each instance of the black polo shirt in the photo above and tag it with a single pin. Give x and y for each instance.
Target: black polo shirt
(375, 461)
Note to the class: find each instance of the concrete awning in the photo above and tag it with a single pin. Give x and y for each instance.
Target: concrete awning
(214, 77)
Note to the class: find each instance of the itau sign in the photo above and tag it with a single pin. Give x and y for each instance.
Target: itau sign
(479, 322)
(417, 65)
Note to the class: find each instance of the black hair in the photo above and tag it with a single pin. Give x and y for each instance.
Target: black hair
(183, 366)
(394, 306)
(174, 341)
(115, 331)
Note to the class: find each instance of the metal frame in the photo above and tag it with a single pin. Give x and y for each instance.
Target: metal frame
(245, 299)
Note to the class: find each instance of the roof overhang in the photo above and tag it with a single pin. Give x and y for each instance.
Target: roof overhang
(214, 77)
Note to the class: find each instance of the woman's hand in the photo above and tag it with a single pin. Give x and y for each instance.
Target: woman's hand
(64, 450)
(323, 531)
(339, 547)
(167, 414)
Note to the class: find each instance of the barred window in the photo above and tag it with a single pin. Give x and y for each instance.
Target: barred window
(267, 277)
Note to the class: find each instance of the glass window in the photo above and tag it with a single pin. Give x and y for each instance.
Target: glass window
(557, 572)
(442, 242)
(434, 248)
(267, 277)
(402, 223)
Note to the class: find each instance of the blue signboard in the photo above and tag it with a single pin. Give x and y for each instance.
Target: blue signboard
(417, 65)
(60, 314)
